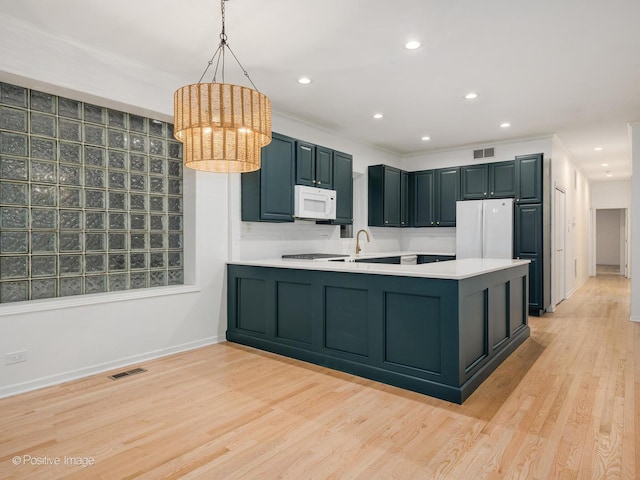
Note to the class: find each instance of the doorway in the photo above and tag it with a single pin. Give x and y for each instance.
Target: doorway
(559, 247)
(611, 241)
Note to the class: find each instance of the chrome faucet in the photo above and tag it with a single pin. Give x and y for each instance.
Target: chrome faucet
(358, 248)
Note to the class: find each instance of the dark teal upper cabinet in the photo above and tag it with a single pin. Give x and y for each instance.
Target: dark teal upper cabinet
(267, 194)
(474, 181)
(324, 168)
(343, 185)
(435, 193)
(529, 178)
(447, 194)
(489, 180)
(423, 198)
(502, 179)
(305, 164)
(384, 190)
(314, 165)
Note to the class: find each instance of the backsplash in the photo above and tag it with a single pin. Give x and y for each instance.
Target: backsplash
(260, 240)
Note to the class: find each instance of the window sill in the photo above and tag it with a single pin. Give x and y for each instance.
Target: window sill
(93, 299)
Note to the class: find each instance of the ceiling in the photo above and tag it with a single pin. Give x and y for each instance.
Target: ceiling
(570, 68)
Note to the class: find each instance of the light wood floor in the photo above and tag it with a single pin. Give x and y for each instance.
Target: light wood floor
(227, 411)
(607, 269)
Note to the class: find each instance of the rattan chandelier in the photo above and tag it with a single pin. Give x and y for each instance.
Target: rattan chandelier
(222, 126)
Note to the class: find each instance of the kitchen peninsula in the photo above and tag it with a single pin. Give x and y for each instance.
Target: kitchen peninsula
(437, 328)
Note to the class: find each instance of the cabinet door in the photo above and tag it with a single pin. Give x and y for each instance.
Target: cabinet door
(343, 185)
(324, 168)
(528, 237)
(535, 282)
(502, 179)
(528, 246)
(423, 198)
(404, 199)
(448, 193)
(305, 164)
(474, 182)
(277, 177)
(391, 197)
(529, 178)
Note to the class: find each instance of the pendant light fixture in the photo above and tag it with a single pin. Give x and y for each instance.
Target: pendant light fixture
(222, 126)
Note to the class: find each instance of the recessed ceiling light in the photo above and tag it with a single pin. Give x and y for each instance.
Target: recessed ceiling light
(598, 149)
(425, 138)
(471, 95)
(609, 174)
(505, 125)
(304, 80)
(605, 164)
(378, 115)
(412, 45)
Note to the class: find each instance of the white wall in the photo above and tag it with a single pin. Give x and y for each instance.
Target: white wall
(565, 174)
(608, 237)
(464, 156)
(634, 137)
(616, 194)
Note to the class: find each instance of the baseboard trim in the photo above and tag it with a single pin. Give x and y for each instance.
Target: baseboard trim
(58, 378)
(585, 280)
(635, 318)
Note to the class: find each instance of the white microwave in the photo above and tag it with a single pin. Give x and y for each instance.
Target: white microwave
(314, 203)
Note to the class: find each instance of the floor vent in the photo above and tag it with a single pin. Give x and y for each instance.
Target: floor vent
(127, 373)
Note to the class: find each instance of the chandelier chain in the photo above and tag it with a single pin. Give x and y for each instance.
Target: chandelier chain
(220, 54)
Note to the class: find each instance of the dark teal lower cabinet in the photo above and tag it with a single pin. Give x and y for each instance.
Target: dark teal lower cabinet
(442, 338)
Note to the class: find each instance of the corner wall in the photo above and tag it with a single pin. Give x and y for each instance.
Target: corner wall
(634, 137)
(566, 175)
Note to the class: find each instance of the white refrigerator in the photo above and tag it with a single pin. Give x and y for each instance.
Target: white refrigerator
(484, 228)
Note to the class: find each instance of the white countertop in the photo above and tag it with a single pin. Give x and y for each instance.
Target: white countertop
(452, 269)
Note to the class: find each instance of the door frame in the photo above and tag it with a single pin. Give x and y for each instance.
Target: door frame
(555, 229)
(625, 250)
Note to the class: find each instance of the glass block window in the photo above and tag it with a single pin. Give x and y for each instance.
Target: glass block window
(90, 198)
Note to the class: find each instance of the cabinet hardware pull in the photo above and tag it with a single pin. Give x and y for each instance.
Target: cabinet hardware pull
(319, 182)
(305, 148)
(313, 181)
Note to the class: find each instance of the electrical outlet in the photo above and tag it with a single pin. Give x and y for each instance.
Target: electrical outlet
(16, 357)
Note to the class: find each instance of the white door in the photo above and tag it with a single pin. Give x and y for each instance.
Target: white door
(559, 228)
